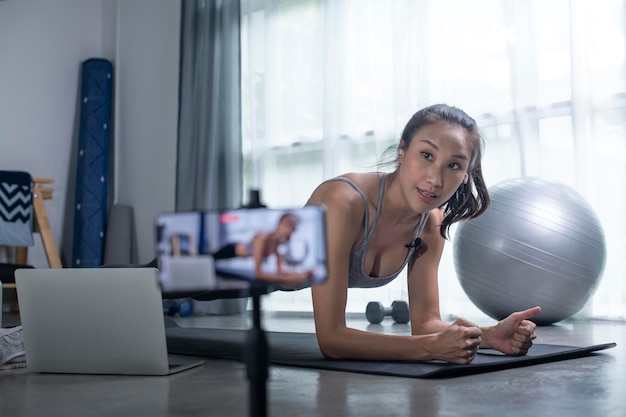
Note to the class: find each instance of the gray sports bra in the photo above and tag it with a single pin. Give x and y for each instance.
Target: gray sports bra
(357, 277)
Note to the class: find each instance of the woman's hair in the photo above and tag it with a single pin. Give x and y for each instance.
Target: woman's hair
(471, 199)
(289, 215)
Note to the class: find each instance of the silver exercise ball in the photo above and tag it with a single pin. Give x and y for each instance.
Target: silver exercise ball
(539, 243)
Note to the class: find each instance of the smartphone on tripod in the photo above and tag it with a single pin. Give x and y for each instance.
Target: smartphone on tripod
(224, 249)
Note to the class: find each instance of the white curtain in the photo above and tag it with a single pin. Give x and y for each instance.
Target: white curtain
(327, 85)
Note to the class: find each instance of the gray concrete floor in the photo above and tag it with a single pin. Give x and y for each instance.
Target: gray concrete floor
(590, 386)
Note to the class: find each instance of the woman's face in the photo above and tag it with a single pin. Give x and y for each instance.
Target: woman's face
(434, 165)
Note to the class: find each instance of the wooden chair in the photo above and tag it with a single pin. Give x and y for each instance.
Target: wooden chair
(42, 226)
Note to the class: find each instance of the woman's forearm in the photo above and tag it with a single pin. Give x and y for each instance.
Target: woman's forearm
(348, 343)
(487, 337)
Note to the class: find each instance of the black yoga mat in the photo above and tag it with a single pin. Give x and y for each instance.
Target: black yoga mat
(301, 350)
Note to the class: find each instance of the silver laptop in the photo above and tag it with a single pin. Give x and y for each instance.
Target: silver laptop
(95, 321)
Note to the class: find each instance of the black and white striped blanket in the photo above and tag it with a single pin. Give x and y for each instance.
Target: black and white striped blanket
(16, 208)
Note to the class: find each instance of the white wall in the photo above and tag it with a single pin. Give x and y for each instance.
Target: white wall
(42, 45)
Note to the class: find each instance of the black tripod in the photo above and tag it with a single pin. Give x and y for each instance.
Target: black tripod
(257, 356)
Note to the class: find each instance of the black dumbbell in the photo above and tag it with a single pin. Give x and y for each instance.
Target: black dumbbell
(399, 312)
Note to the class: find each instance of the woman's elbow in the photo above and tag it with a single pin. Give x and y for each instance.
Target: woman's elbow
(329, 352)
(329, 348)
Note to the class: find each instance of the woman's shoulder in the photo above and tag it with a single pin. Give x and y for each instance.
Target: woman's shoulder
(364, 181)
(337, 192)
(433, 223)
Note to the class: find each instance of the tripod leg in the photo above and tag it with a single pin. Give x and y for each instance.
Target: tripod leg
(257, 361)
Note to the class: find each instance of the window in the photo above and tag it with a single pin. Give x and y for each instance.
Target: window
(328, 86)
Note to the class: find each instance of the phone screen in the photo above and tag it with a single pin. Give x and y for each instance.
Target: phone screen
(205, 250)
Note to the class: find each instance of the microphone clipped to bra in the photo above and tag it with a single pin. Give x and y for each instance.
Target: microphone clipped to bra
(415, 244)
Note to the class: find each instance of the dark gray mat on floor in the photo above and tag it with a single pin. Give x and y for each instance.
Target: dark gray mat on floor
(301, 350)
